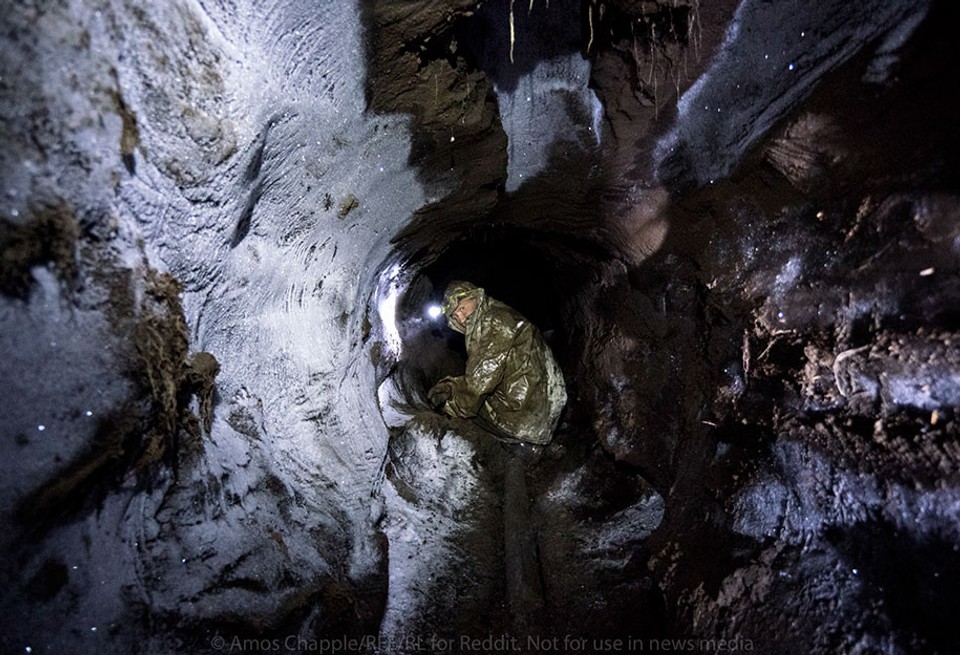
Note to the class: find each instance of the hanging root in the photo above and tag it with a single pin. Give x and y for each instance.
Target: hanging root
(511, 31)
(590, 23)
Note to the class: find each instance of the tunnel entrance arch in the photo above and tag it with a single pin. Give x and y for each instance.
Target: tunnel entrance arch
(537, 273)
(465, 516)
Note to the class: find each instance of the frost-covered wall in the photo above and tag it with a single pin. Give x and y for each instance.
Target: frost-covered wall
(225, 143)
(547, 106)
(533, 54)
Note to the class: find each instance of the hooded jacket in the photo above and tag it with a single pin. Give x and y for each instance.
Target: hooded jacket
(511, 380)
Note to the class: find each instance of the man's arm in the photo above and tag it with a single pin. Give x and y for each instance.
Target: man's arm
(484, 372)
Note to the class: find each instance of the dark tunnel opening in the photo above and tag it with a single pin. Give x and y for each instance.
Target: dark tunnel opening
(536, 273)
(512, 265)
(539, 33)
(543, 275)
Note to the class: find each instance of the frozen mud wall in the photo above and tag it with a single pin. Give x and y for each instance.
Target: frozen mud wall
(802, 307)
(224, 144)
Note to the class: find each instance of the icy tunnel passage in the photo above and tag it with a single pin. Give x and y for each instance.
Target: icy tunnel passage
(510, 269)
(738, 225)
(492, 531)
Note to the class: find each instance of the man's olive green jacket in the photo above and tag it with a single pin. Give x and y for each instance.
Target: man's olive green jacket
(511, 380)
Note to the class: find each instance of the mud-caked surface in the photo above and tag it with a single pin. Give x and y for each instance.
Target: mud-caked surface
(791, 381)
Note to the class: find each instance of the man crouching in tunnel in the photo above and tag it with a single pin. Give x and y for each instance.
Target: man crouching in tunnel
(512, 386)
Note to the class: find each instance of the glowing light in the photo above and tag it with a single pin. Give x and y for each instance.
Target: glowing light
(434, 311)
(390, 283)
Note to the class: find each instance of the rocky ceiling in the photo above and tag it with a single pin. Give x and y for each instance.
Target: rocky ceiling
(737, 224)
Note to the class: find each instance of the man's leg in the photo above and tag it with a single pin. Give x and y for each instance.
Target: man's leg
(529, 452)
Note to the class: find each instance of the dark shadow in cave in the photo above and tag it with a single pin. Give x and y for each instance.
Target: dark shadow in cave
(540, 34)
(547, 30)
(913, 577)
(512, 266)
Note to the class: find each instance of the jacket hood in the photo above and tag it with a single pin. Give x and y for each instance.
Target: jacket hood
(456, 291)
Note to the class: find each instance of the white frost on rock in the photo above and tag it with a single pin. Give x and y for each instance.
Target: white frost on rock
(536, 114)
(433, 486)
(251, 132)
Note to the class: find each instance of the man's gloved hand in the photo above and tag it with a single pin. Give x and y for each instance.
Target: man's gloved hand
(441, 392)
